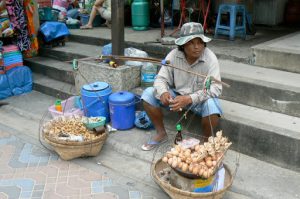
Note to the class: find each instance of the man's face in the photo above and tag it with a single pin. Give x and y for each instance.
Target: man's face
(194, 48)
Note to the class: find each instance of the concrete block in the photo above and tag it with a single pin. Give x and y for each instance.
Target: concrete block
(121, 78)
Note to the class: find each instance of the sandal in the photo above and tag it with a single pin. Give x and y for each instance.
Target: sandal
(86, 27)
(152, 144)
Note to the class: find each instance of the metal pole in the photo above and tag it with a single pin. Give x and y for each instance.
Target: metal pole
(117, 27)
(162, 19)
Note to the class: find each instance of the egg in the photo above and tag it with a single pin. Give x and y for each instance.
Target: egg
(165, 159)
(170, 161)
(174, 164)
(195, 170)
(209, 163)
(191, 168)
(184, 167)
(180, 165)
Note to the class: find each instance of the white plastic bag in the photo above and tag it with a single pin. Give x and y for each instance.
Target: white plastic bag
(133, 52)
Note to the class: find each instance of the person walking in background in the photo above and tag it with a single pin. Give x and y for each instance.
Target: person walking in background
(104, 9)
(179, 90)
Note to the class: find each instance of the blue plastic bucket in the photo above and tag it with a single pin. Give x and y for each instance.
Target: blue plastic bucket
(122, 110)
(95, 99)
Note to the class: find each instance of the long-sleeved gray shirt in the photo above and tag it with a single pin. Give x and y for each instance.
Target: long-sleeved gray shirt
(185, 83)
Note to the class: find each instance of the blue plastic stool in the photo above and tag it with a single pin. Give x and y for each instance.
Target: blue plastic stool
(233, 28)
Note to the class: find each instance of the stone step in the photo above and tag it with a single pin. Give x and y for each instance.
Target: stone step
(52, 68)
(152, 45)
(265, 135)
(122, 159)
(282, 53)
(258, 133)
(52, 87)
(264, 88)
(70, 51)
(268, 89)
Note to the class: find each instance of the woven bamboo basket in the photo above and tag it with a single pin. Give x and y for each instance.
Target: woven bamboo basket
(69, 150)
(176, 193)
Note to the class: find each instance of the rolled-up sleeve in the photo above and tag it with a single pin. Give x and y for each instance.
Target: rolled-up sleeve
(215, 89)
(165, 78)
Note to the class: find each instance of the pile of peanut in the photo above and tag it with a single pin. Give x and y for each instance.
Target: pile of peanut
(64, 126)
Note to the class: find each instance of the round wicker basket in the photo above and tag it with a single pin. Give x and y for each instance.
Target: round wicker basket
(69, 150)
(176, 193)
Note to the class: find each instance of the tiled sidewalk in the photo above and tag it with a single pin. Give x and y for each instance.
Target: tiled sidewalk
(28, 171)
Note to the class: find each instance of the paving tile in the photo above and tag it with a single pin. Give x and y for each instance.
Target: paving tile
(61, 165)
(135, 195)
(8, 176)
(50, 171)
(37, 193)
(50, 187)
(63, 173)
(16, 164)
(86, 191)
(105, 195)
(51, 180)
(74, 172)
(5, 169)
(78, 183)
(25, 184)
(38, 187)
(51, 195)
(11, 191)
(18, 175)
(74, 167)
(25, 194)
(118, 190)
(62, 179)
(39, 177)
(64, 190)
(97, 189)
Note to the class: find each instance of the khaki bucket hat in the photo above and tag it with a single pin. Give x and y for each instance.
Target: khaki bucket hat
(190, 31)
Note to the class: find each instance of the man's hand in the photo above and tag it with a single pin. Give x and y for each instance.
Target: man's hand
(165, 98)
(180, 102)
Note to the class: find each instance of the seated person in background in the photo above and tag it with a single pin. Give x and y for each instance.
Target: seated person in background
(63, 6)
(73, 10)
(104, 9)
(178, 90)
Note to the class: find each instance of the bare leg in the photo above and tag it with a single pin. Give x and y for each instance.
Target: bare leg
(92, 16)
(206, 125)
(156, 116)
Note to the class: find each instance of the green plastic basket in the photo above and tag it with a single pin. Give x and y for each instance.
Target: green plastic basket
(94, 122)
(48, 14)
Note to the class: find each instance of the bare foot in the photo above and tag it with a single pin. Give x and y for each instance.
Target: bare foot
(86, 27)
(159, 137)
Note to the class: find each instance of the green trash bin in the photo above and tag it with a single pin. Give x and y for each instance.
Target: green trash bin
(140, 15)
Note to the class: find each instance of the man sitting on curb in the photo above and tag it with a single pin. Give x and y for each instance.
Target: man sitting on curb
(104, 8)
(179, 90)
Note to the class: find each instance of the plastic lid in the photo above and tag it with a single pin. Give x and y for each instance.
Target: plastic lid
(121, 97)
(178, 127)
(96, 86)
(58, 102)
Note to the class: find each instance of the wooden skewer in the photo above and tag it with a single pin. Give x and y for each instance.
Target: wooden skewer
(157, 61)
(152, 60)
